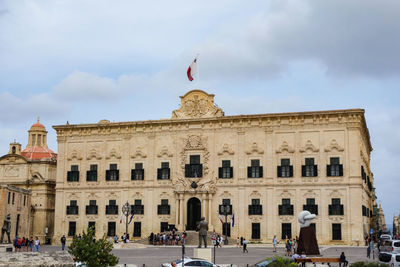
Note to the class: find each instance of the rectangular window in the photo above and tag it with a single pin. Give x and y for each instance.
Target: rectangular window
(336, 208)
(33, 139)
(111, 229)
(92, 225)
(137, 229)
(13, 198)
(255, 170)
(163, 173)
(286, 230)
(71, 228)
(335, 168)
(73, 208)
(286, 208)
(285, 170)
(138, 208)
(255, 231)
(92, 208)
(138, 172)
(113, 173)
(164, 208)
(9, 197)
(336, 231)
(112, 208)
(39, 143)
(226, 171)
(91, 175)
(73, 175)
(255, 208)
(195, 168)
(310, 169)
(310, 206)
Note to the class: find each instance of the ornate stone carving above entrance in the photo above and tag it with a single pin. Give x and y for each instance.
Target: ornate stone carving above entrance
(205, 184)
(197, 104)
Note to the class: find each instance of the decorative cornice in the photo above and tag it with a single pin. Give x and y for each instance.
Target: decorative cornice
(165, 152)
(139, 153)
(75, 154)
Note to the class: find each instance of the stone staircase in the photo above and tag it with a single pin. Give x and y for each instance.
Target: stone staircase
(191, 240)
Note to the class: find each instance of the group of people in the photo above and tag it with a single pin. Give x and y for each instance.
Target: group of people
(115, 239)
(26, 244)
(168, 238)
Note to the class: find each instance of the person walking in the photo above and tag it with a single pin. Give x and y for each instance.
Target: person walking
(245, 246)
(63, 240)
(238, 242)
(37, 243)
(241, 241)
(30, 244)
(274, 242)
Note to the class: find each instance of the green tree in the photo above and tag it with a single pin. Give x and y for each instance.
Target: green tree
(93, 253)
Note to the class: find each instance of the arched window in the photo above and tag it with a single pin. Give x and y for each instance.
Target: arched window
(13, 149)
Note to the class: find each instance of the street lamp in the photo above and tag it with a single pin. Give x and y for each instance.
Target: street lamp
(225, 209)
(126, 210)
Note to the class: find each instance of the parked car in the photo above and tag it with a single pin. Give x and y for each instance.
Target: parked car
(383, 238)
(392, 246)
(190, 262)
(263, 263)
(390, 258)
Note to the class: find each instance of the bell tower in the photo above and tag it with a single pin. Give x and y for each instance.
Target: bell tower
(15, 148)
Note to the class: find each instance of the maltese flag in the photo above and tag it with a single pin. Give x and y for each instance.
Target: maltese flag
(192, 70)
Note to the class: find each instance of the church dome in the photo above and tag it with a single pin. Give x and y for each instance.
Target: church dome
(37, 144)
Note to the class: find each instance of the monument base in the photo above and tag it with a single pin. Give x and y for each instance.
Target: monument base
(307, 242)
(203, 253)
(6, 248)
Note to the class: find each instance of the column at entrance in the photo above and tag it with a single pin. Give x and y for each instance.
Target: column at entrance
(177, 207)
(210, 225)
(181, 226)
(203, 206)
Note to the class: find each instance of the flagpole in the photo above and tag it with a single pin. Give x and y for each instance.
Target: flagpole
(198, 71)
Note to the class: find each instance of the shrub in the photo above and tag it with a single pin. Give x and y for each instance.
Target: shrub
(93, 253)
(281, 261)
(368, 264)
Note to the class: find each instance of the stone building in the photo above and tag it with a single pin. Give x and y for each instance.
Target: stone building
(17, 203)
(396, 225)
(266, 168)
(33, 169)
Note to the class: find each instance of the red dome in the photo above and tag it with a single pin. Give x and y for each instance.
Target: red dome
(36, 152)
(39, 125)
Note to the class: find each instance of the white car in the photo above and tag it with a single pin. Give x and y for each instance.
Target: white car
(391, 246)
(190, 262)
(390, 258)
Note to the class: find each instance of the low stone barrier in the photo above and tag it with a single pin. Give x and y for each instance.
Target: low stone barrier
(45, 259)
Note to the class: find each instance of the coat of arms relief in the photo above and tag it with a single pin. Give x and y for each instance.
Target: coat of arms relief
(194, 144)
(197, 104)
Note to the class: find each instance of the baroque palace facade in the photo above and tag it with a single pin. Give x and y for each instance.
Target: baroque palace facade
(266, 167)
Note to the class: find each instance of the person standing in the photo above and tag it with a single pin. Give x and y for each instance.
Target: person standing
(245, 246)
(63, 240)
(241, 241)
(37, 243)
(237, 242)
(214, 238)
(30, 244)
(274, 242)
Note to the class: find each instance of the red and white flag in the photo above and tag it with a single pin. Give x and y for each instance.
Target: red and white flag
(220, 218)
(192, 70)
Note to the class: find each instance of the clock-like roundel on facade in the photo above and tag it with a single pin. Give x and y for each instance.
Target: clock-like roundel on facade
(197, 104)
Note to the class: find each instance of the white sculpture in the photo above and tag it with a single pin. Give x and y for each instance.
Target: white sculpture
(305, 218)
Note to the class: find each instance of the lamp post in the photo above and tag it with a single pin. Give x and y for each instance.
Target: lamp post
(226, 209)
(126, 210)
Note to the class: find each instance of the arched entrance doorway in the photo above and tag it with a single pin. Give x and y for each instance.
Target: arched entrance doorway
(193, 213)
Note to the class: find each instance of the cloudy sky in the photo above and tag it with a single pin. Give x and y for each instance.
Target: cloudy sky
(82, 61)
